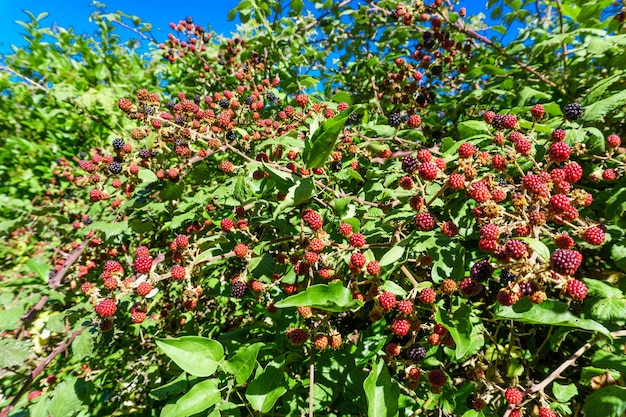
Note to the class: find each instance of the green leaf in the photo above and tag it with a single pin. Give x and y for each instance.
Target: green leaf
(198, 356)
(146, 175)
(599, 109)
(241, 188)
(13, 352)
(10, 318)
(330, 297)
(39, 268)
(549, 312)
(564, 393)
(200, 397)
(602, 289)
(393, 254)
(460, 328)
(381, 393)
(297, 194)
(603, 359)
(537, 246)
(606, 402)
(264, 390)
(609, 309)
(65, 402)
(342, 96)
(175, 386)
(82, 347)
(321, 144)
(470, 128)
(242, 364)
(109, 229)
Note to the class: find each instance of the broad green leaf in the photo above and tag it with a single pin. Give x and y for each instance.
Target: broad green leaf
(65, 402)
(381, 392)
(609, 401)
(200, 397)
(618, 254)
(13, 352)
(342, 96)
(609, 309)
(603, 359)
(195, 355)
(146, 175)
(39, 268)
(602, 289)
(110, 229)
(564, 393)
(549, 312)
(472, 127)
(394, 288)
(321, 144)
(267, 387)
(175, 386)
(460, 328)
(330, 297)
(10, 318)
(297, 194)
(241, 188)
(600, 108)
(82, 347)
(242, 364)
(393, 254)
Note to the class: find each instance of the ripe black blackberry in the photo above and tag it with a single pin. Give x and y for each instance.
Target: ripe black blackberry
(527, 288)
(498, 122)
(248, 100)
(170, 104)
(573, 111)
(189, 19)
(179, 142)
(481, 270)
(144, 153)
(224, 103)
(148, 110)
(271, 96)
(196, 98)
(115, 167)
(118, 144)
(410, 164)
(436, 70)
(416, 353)
(230, 135)
(354, 118)
(336, 166)
(507, 276)
(394, 119)
(239, 289)
(179, 120)
(88, 221)
(429, 43)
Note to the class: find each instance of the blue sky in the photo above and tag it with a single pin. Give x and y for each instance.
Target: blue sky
(159, 13)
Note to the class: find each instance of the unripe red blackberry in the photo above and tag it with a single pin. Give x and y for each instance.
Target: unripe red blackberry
(405, 307)
(373, 268)
(428, 296)
(144, 289)
(406, 183)
(559, 202)
(489, 231)
(178, 272)
(416, 202)
(428, 171)
(573, 172)
(558, 135)
(316, 245)
(564, 241)
(576, 289)
(312, 219)
(537, 112)
(559, 152)
(357, 240)
(400, 327)
(613, 141)
(297, 336)
(509, 121)
(392, 349)
(125, 104)
(414, 120)
(241, 250)
(449, 229)
(106, 308)
(424, 221)
(523, 147)
(565, 261)
(137, 314)
(424, 155)
(594, 236)
(142, 251)
(546, 412)
(488, 245)
(513, 396)
(609, 174)
(143, 264)
(507, 297)
(320, 341)
(466, 150)
(516, 249)
(489, 116)
(357, 260)
(387, 300)
(227, 224)
(456, 181)
(345, 229)
(448, 286)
